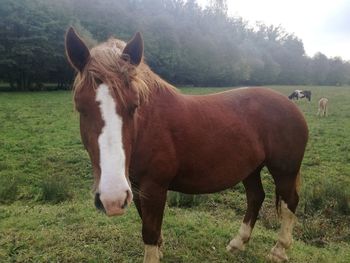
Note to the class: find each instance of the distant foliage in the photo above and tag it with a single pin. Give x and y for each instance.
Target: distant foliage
(185, 44)
(32, 46)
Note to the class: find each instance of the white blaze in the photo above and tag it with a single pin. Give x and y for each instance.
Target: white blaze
(113, 183)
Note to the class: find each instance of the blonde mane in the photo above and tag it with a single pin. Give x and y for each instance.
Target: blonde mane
(107, 65)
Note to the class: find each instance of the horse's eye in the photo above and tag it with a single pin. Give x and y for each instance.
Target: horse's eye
(98, 81)
(132, 108)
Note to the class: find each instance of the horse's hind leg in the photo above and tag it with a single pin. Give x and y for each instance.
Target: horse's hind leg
(287, 199)
(255, 197)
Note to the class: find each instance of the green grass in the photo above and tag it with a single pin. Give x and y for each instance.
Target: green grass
(40, 139)
(41, 153)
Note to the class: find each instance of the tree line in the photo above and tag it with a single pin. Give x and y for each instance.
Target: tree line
(184, 43)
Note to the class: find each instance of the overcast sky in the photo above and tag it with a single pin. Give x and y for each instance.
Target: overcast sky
(323, 25)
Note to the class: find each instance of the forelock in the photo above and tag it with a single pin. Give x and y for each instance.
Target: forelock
(113, 45)
(106, 57)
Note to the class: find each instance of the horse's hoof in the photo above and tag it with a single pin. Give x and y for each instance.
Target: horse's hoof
(152, 254)
(235, 245)
(278, 254)
(151, 260)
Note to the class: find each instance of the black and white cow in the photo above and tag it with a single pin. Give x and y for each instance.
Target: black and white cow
(307, 94)
(299, 94)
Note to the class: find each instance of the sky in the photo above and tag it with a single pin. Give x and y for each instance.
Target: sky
(323, 25)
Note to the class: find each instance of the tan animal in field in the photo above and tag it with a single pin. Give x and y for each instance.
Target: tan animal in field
(322, 107)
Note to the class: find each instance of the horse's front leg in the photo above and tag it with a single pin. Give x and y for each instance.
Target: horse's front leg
(152, 202)
(137, 202)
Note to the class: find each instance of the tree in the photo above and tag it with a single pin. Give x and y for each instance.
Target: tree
(338, 73)
(219, 6)
(319, 69)
(183, 43)
(32, 46)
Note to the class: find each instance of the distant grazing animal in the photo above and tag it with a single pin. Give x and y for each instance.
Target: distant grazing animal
(144, 137)
(296, 94)
(322, 107)
(299, 94)
(307, 94)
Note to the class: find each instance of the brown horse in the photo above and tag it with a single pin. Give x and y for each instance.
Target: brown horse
(138, 128)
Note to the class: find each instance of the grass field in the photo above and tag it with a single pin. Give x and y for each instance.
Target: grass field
(47, 212)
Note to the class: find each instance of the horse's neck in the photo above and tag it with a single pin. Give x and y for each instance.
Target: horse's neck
(159, 88)
(154, 113)
(161, 95)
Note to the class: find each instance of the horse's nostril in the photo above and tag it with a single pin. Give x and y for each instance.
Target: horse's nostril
(125, 205)
(98, 203)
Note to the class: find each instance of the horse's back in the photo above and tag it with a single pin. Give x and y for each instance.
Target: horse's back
(274, 124)
(257, 106)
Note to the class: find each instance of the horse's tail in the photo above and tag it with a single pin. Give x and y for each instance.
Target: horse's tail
(297, 188)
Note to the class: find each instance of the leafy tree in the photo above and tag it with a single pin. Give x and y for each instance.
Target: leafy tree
(32, 46)
(320, 67)
(339, 72)
(184, 43)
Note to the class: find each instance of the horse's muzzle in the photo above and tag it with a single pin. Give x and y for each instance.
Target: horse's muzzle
(113, 208)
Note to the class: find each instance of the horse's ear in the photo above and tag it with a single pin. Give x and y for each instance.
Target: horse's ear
(76, 50)
(134, 49)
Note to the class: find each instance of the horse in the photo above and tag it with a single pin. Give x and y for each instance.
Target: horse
(322, 107)
(300, 94)
(144, 137)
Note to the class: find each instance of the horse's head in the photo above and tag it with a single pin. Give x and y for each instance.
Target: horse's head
(106, 100)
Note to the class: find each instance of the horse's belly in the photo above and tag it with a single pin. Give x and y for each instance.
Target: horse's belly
(225, 175)
(195, 188)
